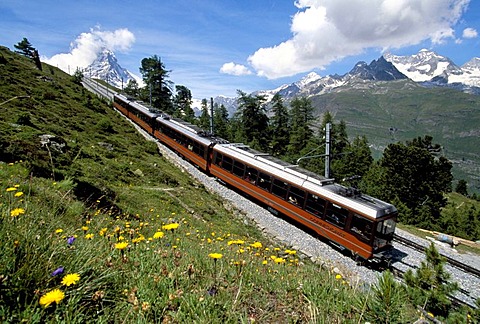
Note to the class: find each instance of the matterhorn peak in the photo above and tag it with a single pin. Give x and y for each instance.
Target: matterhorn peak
(107, 68)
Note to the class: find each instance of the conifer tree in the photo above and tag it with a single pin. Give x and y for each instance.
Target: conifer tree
(220, 121)
(157, 84)
(387, 301)
(204, 120)
(279, 127)
(430, 286)
(183, 103)
(131, 88)
(254, 120)
(301, 125)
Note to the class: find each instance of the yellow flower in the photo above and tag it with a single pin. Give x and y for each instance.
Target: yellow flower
(238, 242)
(11, 189)
(53, 296)
(338, 276)
(291, 252)
(158, 235)
(121, 245)
(89, 236)
(279, 260)
(17, 211)
(256, 245)
(171, 226)
(58, 230)
(18, 194)
(85, 228)
(264, 262)
(215, 255)
(70, 279)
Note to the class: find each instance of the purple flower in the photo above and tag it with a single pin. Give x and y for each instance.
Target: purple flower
(57, 272)
(70, 240)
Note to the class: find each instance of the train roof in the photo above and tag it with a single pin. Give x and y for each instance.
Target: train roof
(310, 181)
(190, 130)
(141, 106)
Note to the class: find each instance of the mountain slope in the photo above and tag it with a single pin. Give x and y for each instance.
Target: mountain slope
(388, 112)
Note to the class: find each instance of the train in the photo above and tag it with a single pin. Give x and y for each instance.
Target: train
(344, 216)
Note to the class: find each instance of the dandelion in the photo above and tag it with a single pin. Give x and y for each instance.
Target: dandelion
(11, 189)
(256, 245)
(291, 252)
(58, 230)
(85, 228)
(264, 262)
(121, 246)
(215, 255)
(71, 279)
(53, 296)
(279, 260)
(18, 194)
(338, 276)
(171, 226)
(158, 235)
(236, 242)
(17, 211)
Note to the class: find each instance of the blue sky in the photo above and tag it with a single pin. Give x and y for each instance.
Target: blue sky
(216, 47)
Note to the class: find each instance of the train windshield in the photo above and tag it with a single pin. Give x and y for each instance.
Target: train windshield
(386, 228)
(384, 234)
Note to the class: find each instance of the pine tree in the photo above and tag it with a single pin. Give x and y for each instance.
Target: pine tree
(25, 48)
(301, 122)
(279, 126)
(386, 301)
(220, 121)
(254, 120)
(157, 84)
(430, 286)
(131, 89)
(204, 120)
(183, 104)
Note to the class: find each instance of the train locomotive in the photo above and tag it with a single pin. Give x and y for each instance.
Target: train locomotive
(351, 220)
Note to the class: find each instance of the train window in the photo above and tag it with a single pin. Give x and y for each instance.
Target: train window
(315, 205)
(296, 196)
(387, 227)
(264, 181)
(227, 163)
(361, 227)
(238, 168)
(251, 174)
(336, 215)
(279, 188)
(218, 158)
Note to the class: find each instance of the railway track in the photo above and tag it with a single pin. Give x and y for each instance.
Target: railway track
(451, 261)
(464, 295)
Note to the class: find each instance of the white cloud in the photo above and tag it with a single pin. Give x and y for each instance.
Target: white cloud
(234, 69)
(469, 33)
(85, 49)
(328, 30)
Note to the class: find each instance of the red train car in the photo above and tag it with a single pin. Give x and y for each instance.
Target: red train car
(359, 223)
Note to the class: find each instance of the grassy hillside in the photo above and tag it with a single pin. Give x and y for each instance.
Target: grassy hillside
(388, 112)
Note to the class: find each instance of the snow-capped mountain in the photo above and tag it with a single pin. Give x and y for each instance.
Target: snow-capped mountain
(107, 68)
(423, 66)
(434, 70)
